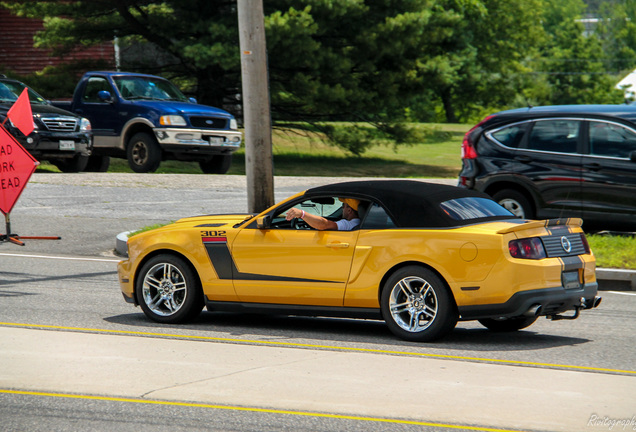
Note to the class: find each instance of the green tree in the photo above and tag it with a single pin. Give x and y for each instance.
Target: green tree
(572, 62)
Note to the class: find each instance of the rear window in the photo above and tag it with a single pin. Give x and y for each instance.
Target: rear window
(510, 136)
(474, 208)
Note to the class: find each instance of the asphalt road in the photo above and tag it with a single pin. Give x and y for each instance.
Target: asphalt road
(76, 357)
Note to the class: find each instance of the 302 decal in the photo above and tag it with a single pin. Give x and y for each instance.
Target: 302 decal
(213, 233)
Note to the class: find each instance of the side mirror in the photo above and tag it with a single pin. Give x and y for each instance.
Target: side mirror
(192, 100)
(264, 222)
(103, 96)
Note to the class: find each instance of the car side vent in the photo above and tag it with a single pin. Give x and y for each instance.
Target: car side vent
(563, 245)
(60, 124)
(208, 122)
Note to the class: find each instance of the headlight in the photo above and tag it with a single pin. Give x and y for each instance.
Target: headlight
(233, 124)
(85, 125)
(172, 120)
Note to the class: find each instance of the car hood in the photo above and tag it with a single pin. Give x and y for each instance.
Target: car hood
(183, 108)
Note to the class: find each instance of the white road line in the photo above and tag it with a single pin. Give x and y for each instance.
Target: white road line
(623, 293)
(59, 257)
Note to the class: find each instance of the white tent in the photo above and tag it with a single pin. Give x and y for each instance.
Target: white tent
(628, 85)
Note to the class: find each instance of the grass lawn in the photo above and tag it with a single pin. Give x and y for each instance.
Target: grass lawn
(306, 155)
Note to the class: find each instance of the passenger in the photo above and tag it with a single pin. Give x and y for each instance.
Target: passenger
(349, 221)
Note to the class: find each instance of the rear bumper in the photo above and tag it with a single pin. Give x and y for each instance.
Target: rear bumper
(552, 301)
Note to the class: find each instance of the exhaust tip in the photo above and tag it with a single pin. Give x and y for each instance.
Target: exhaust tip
(597, 301)
(533, 311)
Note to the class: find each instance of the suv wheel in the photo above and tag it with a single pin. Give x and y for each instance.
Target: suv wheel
(515, 202)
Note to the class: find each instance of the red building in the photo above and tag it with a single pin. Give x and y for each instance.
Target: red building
(18, 54)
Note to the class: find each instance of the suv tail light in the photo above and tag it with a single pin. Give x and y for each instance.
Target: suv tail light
(469, 151)
(586, 245)
(527, 248)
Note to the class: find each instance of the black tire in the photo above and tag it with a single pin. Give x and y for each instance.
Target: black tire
(143, 153)
(168, 290)
(98, 163)
(76, 164)
(417, 305)
(217, 164)
(507, 325)
(515, 202)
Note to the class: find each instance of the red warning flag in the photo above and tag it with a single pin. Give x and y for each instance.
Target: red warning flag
(20, 113)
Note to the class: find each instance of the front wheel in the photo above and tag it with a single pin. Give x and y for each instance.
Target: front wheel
(144, 153)
(417, 306)
(168, 290)
(73, 165)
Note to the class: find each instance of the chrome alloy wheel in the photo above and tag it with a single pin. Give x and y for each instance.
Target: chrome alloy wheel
(514, 207)
(413, 304)
(164, 289)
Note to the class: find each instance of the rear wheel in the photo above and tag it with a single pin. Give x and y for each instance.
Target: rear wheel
(98, 163)
(515, 202)
(144, 153)
(507, 325)
(417, 305)
(168, 290)
(217, 164)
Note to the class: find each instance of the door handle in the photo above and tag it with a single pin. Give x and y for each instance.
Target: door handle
(593, 166)
(523, 159)
(338, 245)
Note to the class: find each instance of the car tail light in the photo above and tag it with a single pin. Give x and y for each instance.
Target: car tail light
(469, 151)
(586, 245)
(527, 248)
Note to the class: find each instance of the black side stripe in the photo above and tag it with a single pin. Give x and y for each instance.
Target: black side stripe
(225, 267)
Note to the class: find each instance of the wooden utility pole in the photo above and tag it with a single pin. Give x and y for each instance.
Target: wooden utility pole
(256, 114)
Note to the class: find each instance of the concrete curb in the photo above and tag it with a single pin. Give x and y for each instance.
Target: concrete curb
(120, 243)
(607, 276)
(608, 279)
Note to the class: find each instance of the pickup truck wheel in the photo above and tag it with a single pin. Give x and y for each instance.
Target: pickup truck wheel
(98, 164)
(144, 153)
(217, 165)
(76, 164)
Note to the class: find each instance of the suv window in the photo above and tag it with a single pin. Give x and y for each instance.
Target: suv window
(511, 136)
(560, 136)
(612, 140)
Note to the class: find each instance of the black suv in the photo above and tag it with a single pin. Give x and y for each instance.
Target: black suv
(557, 161)
(61, 137)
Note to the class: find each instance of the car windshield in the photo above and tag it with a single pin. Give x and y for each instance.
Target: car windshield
(152, 88)
(10, 90)
(473, 208)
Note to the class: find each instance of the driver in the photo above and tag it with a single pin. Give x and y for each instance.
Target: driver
(350, 218)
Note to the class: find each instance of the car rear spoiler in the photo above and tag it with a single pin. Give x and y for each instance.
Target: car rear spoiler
(550, 223)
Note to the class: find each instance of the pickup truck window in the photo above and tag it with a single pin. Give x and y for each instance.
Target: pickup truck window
(94, 86)
(137, 87)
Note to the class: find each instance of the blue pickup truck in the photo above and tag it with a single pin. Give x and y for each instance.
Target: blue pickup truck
(146, 119)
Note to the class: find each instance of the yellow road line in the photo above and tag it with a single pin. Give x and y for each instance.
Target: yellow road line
(254, 410)
(314, 346)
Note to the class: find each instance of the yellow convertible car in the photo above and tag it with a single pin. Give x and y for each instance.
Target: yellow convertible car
(418, 255)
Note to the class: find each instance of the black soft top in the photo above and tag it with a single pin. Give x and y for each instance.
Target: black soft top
(411, 204)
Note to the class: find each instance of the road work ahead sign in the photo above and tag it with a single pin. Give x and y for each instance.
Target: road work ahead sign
(16, 167)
